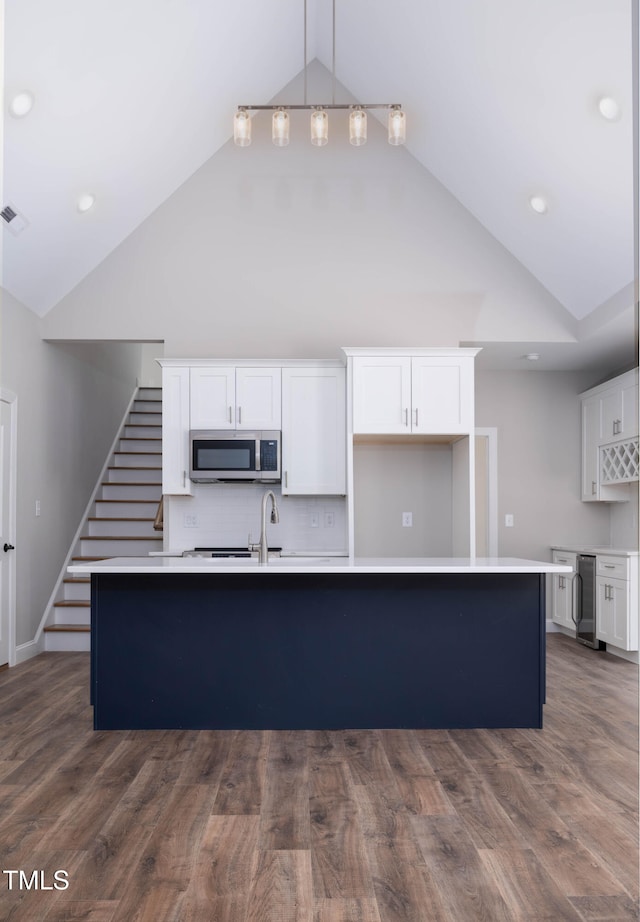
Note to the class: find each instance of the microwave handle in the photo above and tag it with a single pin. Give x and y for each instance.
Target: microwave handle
(258, 466)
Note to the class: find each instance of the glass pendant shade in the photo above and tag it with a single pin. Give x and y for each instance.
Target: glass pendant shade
(242, 128)
(319, 127)
(397, 127)
(358, 127)
(280, 128)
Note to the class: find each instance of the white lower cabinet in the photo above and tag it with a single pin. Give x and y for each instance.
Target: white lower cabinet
(313, 431)
(617, 601)
(562, 599)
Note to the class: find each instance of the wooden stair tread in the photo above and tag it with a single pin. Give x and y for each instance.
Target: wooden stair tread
(72, 603)
(120, 538)
(118, 518)
(134, 467)
(152, 502)
(84, 558)
(76, 579)
(81, 628)
(131, 483)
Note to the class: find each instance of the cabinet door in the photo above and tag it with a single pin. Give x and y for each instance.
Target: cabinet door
(590, 451)
(175, 431)
(629, 399)
(441, 395)
(611, 415)
(258, 398)
(382, 394)
(313, 431)
(213, 398)
(562, 594)
(612, 613)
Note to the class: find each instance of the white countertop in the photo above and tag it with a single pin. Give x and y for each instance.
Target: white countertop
(587, 549)
(318, 564)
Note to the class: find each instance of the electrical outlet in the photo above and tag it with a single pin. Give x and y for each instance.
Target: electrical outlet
(508, 520)
(190, 520)
(37, 507)
(314, 520)
(407, 519)
(329, 519)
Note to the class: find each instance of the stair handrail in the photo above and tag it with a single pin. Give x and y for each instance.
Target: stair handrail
(158, 522)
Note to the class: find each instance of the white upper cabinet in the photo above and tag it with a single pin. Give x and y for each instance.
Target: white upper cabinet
(175, 431)
(610, 438)
(429, 393)
(258, 398)
(381, 394)
(226, 397)
(313, 431)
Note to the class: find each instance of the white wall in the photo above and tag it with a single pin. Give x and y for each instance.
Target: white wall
(297, 251)
(71, 399)
(537, 415)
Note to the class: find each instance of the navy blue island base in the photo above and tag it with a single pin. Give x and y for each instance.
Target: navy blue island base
(316, 650)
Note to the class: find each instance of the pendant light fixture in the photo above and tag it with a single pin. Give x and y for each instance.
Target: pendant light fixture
(397, 128)
(358, 127)
(280, 128)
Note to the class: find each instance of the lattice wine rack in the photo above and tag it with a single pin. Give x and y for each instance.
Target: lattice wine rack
(619, 462)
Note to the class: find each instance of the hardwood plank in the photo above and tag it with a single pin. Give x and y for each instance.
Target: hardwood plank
(518, 874)
(82, 911)
(242, 781)
(226, 863)
(338, 856)
(284, 811)
(346, 911)
(420, 789)
(449, 852)
(207, 757)
(572, 867)
(606, 908)
(281, 889)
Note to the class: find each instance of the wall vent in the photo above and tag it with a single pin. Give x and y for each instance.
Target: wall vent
(15, 221)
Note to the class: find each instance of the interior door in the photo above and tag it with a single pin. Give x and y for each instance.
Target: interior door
(7, 566)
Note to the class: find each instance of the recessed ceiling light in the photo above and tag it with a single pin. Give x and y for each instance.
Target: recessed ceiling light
(21, 104)
(538, 204)
(85, 202)
(609, 108)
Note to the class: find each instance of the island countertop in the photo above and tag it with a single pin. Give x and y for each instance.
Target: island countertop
(358, 565)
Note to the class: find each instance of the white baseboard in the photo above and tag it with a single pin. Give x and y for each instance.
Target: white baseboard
(25, 651)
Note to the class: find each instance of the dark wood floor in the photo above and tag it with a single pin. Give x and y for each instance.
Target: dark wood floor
(373, 826)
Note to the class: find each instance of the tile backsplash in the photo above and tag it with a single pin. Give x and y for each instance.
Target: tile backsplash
(223, 515)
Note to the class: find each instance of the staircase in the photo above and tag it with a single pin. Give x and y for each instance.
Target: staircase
(120, 522)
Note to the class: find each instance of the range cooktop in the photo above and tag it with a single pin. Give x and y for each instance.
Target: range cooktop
(224, 552)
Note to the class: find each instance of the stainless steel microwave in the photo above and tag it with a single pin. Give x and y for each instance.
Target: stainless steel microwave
(234, 455)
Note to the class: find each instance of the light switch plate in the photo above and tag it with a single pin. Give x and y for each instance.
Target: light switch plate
(508, 520)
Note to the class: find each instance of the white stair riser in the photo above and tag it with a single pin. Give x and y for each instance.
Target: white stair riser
(140, 419)
(125, 491)
(149, 393)
(138, 460)
(147, 406)
(74, 592)
(132, 475)
(103, 547)
(67, 642)
(72, 615)
(142, 432)
(126, 510)
(122, 528)
(140, 445)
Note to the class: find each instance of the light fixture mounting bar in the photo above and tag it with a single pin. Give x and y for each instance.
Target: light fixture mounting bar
(322, 105)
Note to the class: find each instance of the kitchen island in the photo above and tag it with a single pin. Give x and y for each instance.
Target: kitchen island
(317, 643)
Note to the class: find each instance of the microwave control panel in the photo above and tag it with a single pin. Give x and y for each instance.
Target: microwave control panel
(269, 455)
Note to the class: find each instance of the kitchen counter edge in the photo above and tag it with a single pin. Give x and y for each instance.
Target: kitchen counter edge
(336, 565)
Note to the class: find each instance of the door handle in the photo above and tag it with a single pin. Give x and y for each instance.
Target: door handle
(8, 547)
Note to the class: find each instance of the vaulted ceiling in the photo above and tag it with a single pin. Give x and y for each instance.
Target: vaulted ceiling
(132, 96)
